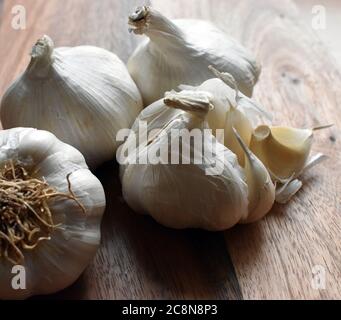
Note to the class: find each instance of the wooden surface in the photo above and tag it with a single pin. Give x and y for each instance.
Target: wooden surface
(274, 258)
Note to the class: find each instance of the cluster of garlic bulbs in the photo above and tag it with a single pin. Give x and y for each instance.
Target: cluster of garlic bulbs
(51, 205)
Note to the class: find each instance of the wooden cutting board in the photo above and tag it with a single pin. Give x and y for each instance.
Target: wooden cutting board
(279, 257)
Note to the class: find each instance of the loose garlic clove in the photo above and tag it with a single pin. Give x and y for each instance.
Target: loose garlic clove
(261, 190)
(283, 150)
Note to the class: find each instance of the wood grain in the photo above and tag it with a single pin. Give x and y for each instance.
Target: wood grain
(274, 258)
(300, 84)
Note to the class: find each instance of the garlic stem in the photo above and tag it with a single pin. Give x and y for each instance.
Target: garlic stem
(41, 57)
(160, 30)
(195, 102)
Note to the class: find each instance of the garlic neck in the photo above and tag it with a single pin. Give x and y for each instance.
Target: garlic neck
(41, 58)
(165, 36)
(196, 103)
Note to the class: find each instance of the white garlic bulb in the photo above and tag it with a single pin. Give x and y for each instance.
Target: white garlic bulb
(185, 194)
(51, 224)
(83, 95)
(179, 51)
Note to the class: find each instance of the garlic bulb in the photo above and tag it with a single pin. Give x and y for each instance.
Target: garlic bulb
(51, 209)
(261, 190)
(283, 150)
(179, 51)
(83, 95)
(189, 193)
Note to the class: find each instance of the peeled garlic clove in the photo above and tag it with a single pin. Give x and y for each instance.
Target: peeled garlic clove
(261, 190)
(283, 150)
(55, 263)
(84, 95)
(182, 50)
(217, 199)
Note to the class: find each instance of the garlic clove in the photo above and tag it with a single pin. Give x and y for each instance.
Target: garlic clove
(236, 119)
(239, 112)
(261, 190)
(283, 150)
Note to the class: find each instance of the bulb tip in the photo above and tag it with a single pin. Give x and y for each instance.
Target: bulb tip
(198, 102)
(139, 19)
(139, 14)
(43, 46)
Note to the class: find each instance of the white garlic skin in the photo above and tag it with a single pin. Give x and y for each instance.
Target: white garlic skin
(183, 195)
(83, 95)
(55, 264)
(179, 51)
(227, 114)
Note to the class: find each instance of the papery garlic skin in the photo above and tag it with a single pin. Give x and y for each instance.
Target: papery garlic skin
(179, 51)
(56, 263)
(183, 195)
(83, 95)
(227, 114)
